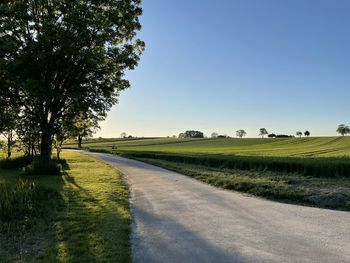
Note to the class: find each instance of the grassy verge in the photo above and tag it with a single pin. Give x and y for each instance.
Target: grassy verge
(287, 187)
(81, 216)
(317, 167)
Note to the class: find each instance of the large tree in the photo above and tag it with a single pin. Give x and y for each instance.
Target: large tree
(67, 56)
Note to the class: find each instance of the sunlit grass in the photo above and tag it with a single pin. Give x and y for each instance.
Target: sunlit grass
(282, 147)
(91, 225)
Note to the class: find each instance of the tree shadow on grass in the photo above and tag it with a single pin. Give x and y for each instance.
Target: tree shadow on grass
(92, 228)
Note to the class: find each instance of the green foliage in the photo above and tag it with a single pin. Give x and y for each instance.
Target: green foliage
(37, 168)
(17, 162)
(63, 57)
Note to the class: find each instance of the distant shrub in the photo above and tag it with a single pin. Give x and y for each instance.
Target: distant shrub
(284, 136)
(100, 150)
(272, 135)
(191, 134)
(36, 168)
(13, 163)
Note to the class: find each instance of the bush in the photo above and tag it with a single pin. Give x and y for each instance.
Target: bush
(13, 163)
(36, 168)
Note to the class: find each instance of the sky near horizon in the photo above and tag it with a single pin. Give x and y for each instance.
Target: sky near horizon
(226, 65)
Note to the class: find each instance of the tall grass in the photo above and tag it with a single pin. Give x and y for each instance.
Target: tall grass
(17, 162)
(23, 200)
(318, 167)
(16, 201)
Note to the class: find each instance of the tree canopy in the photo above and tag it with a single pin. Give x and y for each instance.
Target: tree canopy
(62, 57)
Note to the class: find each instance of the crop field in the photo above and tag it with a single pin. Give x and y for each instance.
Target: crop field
(289, 147)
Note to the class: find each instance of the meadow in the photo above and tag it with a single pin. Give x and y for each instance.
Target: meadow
(313, 171)
(268, 147)
(81, 215)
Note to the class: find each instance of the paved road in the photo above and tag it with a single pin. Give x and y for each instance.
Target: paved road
(178, 219)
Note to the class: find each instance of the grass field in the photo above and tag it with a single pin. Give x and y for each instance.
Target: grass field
(81, 216)
(289, 147)
(313, 171)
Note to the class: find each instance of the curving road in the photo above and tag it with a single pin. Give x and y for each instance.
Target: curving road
(178, 219)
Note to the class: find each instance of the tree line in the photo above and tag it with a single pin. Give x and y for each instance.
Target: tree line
(62, 66)
(239, 133)
(342, 130)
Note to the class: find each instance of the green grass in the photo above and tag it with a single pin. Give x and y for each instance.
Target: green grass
(316, 156)
(81, 216)
(291, 188)
(281, 147)
(313, 171)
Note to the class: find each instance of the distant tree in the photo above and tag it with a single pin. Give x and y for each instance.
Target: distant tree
(299, 133)
(271, 135)
(241, 133)
(192, 134)
(174, 136)
(263, 132)
(307, 133)
(214, 135)
(343, 129)
(123, 135)
(181, 135)
(83, 126)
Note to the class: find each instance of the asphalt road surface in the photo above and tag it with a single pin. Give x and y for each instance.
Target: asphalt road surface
(178, 219)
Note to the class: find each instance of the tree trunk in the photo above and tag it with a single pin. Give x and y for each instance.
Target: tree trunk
(9, 143)
(45, 147)
(80, 139)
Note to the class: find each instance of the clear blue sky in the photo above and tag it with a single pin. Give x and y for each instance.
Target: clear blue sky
(225, 65)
